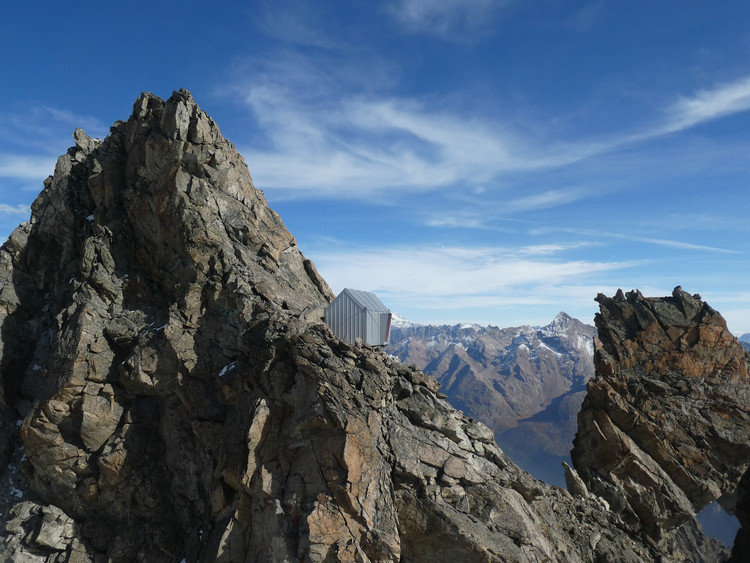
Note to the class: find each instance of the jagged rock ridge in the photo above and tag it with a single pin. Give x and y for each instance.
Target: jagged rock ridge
(665, 427)
(170, 391)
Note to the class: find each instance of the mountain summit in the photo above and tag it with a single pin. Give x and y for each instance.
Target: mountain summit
(170, 393)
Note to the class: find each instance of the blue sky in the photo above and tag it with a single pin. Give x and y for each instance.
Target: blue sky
(469, 161)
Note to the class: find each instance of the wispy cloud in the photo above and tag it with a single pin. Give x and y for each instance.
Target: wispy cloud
(498, 285)
(332, 129)
(26, 167)
(686, 112)
(678, 244)
(553, 248)
(447, 18)
(637, 238)
(457, 273)
(33, 136)
(19, 209)
(585, 18)
(92, 125)
(361, 146)
(707, 105)
(294, 22)
(455, 219)
(40, 126)
(547, 199)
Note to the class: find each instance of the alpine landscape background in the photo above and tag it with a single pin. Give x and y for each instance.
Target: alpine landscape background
(527, 384)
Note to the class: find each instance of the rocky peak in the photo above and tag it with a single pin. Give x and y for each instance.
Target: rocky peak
(664, 429)
(562, 320)
(148, 259)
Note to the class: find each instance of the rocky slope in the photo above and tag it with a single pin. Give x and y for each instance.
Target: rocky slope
(170, 394)
(525, 383)
(665, 427)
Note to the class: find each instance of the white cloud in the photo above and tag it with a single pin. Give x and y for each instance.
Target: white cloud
(687, 112)
(679, 244)
(547, 199)
(455, 219)
(585, 18)
(19, 209)
(636, 238)
(446, 18)
(44, 127)
(546, 249)
(490, 285)
(26, 167)
(447, 137)
(458, 276)
(708, 105)
(33, 136)
(361, 147)
(295, 22)
(92, 125)
(334, 129)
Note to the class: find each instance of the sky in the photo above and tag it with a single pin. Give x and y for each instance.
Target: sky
(480, 161)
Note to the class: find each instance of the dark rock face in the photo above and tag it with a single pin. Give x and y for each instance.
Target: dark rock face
(147, 259)
(170, 392)
(664, 429)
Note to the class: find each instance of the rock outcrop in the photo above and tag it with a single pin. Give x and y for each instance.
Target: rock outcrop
(171, 394)
(665, 427)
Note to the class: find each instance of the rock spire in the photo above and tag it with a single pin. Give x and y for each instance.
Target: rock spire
(665, 428)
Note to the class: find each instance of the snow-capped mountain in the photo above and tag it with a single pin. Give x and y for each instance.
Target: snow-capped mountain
(397, 321)
(526, 383)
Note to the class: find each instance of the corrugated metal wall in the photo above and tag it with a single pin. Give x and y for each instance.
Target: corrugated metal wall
(346, 319)
(359, 315)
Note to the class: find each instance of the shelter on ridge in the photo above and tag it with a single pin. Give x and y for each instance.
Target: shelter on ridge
(359, 314)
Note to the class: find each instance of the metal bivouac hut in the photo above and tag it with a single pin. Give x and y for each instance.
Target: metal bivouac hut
(359, 314)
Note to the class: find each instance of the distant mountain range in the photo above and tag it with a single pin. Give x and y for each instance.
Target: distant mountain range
(526, 383)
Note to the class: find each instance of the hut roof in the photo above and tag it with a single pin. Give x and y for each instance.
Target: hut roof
(365, 299)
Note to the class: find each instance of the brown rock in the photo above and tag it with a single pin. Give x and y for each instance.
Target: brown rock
(664, 429)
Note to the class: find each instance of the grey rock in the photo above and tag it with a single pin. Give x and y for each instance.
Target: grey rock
(56, 529)
(575, 484)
